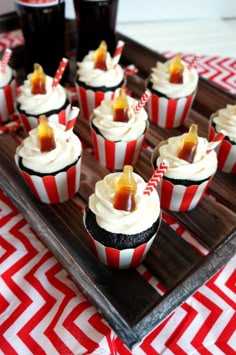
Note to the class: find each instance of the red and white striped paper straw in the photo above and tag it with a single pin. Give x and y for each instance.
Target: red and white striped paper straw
(142, 101)
(11, 126)
(130, 70)
(193, 62)
(117, 53)
(59, 72)
(215, 141)
(156, 177)
(72, 118)
(5, 59)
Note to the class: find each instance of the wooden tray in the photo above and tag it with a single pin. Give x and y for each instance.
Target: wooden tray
(124, 298)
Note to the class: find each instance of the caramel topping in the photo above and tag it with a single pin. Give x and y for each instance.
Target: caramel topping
(125, 191)
(120, 107)
(45, 135)
(100, 57)
(176, 71)
(189, 144)
(38, 80)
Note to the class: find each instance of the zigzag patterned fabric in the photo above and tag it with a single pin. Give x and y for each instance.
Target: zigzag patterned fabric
(44, 312)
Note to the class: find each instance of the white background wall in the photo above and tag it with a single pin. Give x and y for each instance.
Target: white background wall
(157, 10)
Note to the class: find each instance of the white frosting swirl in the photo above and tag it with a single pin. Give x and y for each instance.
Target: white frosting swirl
(225, 120)
(96, 77)
(54, 98)
(68, 149)
(116, 221)
(203, 166)
(160, 80)
(5, 77)
(102, 118)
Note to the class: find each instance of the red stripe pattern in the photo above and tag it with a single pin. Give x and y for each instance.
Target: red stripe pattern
(59, 72)
(5, 59)
(54, 188)
(120, 259)
(114, 155)
(179, 197)
(118, 53)
(31, 122)
(226, 154)
(169, 113)
(156, 177)
(89, 99)
(7, 99)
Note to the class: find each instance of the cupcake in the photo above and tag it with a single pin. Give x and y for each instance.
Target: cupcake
(97, 78)
(49, 159)
(225, 120)
(39, 97)
(173, 85)
(191, 168)
(121, 220)
(118, 133)
(7, 89)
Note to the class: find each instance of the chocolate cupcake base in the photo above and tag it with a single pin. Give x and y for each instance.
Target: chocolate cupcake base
(59, 115)
(168, 112)
(118, 240)
(119, 251)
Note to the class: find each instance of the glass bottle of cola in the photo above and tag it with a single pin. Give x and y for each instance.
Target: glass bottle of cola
(96, 22)
(43, 27)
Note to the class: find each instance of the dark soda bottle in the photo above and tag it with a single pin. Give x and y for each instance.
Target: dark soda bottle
(96, 21)
(43, 27)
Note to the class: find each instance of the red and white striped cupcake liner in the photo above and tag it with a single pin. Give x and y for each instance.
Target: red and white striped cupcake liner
(90, 99)
(30, 122)
(7, 101)
(120, 259)
(169, 113)
(114, 155)
(180, 198)
(226, 153)
(177, 197)
(56, 188)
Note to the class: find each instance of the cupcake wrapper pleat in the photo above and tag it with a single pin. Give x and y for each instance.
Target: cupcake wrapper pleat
(169, 113)
(54, 188)
(120, 259)
(31, 122)
(7, 99)
(89, 99)
(114, 155)
(181, 198)
(226, 154)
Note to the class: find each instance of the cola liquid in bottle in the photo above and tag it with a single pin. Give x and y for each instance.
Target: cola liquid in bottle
(43, 27)
(96, 21)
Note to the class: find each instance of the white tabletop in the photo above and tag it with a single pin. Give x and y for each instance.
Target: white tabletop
(206, 36)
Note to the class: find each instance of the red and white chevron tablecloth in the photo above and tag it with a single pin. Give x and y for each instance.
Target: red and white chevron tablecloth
(42, 311)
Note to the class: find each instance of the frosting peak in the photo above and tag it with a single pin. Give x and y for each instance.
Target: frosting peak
(160, 80)
(54, 98)
(118, 221)
(203, 165)
(102, 118)
(91, 76)
(68, 149)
